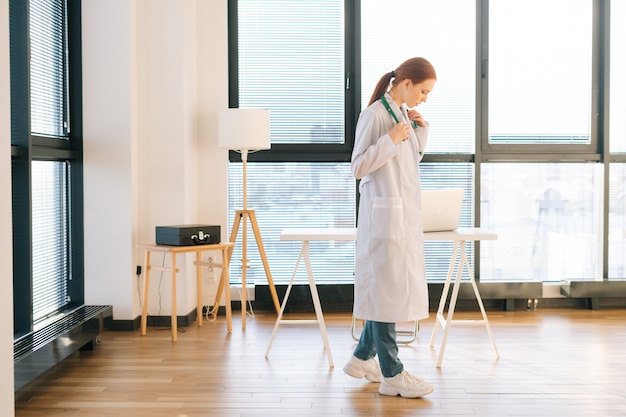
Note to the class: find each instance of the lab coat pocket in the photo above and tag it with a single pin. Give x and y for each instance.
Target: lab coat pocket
(387, 215)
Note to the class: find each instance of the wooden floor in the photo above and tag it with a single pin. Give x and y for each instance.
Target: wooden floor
(552, 363)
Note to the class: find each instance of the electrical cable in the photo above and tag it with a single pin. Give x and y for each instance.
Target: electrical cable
(250, 311)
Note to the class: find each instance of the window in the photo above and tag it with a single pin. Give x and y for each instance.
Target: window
(45, 173)
(50, 238)
(291, 62)
(296, 195)
(617, 123)
(444, 32)
(549, 221)
(448, 175)
(48, 68)
(617, 141)
(540, 72)
(296, 67)
(517, 120)
(617, 221)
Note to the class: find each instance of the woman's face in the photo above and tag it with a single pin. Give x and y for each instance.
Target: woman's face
(418, 93)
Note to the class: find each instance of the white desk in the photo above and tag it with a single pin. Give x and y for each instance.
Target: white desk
(306, 235)
(459, 237)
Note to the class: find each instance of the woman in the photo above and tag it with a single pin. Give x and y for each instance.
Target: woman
(390, 279)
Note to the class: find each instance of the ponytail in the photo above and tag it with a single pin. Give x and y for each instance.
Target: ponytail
(381, 87)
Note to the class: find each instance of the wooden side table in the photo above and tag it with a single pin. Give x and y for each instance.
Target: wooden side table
(198, 250)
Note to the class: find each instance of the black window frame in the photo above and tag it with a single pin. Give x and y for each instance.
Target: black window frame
(26, 147)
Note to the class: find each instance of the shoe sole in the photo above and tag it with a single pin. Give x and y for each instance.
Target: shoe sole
(393, 392)
(356, 373)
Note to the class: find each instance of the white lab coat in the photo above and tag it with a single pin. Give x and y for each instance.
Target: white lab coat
(390, 277)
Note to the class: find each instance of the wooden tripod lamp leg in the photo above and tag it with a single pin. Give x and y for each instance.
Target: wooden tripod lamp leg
(239, 216)
(244, 269)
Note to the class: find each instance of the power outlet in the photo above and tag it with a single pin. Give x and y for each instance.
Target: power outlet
(211, 270)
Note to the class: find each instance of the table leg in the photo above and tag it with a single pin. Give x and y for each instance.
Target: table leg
(146, 275)
(316, 302)
(225, 278)
(285, 298)
(444, 296)
(482, 307)
(174, 318)
(455, 294)
(445, 323)
(199, 287)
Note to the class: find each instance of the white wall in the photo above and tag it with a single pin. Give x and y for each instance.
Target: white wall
(6, 245)
(110, 134)
(212, 96)
(154, 77)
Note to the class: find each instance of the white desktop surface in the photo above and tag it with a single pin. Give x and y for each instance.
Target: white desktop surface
(349, 233)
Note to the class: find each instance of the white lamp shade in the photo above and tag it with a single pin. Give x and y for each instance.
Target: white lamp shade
(244, 129)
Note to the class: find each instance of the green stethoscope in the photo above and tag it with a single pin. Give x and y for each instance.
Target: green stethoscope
(393, 115)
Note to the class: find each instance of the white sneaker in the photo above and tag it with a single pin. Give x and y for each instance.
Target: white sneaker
(405, 385)
(359, 368)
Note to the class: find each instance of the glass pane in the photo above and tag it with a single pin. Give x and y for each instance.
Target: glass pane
(291, 62)
(49, 238)
(617, 129)
(287, 195)
(448, 175)
(444, 32)
(617, 221)
(48, 67)
(540, 71)
(548, 217)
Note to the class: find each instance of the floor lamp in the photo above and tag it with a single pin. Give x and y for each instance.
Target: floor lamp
(246, 130)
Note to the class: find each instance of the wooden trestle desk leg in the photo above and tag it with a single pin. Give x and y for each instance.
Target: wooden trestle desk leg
(304, 254)
(445, 322)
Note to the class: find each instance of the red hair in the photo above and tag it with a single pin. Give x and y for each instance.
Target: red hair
(415, 69)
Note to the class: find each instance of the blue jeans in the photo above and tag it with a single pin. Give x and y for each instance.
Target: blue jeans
(378, 337)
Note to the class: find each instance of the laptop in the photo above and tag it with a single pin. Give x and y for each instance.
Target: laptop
(441, 209)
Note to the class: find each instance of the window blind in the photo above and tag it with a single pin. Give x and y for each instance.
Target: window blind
(50, 181)
(49, 238)
(617, 124)
(48, 68)
(617, 222)
(553, 105)
(442, 31)
(291, 62)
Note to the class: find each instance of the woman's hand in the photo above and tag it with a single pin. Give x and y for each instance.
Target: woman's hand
(399, 133)
(417, 117)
